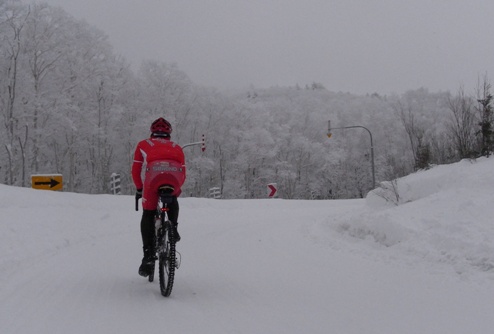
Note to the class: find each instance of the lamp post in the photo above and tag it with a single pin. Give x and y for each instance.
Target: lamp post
(329, 134)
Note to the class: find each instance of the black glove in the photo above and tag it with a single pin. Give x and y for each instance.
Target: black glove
(138, 194)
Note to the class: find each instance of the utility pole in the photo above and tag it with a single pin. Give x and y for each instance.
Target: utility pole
(329, 134)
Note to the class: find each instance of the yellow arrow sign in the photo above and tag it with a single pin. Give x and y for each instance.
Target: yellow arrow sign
(47, 182)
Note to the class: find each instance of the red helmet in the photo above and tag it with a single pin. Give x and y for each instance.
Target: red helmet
(161, 126)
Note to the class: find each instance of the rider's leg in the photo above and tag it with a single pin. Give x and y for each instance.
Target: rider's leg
(147, 233)
(149, 203)
(147, 229)
(173, 216)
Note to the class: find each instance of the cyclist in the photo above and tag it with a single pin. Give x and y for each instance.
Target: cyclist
(158, 162)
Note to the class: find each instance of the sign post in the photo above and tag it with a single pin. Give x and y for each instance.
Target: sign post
(47, 181)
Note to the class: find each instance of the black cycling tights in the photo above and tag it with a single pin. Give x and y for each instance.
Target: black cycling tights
(147, 223)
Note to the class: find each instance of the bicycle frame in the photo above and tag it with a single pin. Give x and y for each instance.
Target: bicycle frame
(160, 222)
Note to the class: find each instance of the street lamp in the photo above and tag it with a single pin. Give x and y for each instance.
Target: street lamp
(329, 134)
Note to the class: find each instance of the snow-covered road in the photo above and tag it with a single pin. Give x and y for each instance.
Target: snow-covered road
(69, 264)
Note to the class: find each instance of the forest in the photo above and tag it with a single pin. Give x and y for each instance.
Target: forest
(70, 105)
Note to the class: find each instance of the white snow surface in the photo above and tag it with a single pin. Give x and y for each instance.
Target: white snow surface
(423, 264)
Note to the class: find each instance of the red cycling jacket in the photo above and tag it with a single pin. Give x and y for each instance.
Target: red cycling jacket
(157, 161)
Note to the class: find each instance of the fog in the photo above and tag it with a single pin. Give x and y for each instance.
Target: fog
(356, 46)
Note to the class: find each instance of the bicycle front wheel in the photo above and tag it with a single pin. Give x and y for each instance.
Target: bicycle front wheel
(166, 260)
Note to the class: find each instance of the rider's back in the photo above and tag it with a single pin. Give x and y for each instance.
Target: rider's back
(164, 163)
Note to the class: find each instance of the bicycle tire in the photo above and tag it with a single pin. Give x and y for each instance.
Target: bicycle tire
(166, 260)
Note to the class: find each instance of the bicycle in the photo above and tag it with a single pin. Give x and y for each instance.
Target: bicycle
(165, 244)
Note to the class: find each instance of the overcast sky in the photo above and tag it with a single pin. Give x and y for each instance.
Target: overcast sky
(356, 46)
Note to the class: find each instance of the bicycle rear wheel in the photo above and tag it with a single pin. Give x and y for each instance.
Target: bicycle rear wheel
(166, 260)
